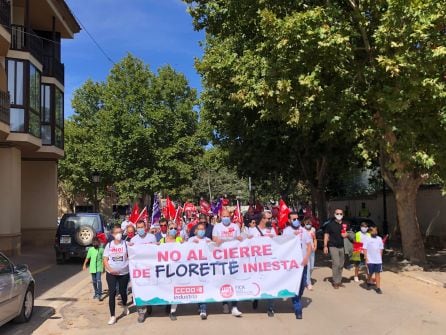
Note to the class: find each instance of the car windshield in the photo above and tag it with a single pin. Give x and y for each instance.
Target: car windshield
(74, 222)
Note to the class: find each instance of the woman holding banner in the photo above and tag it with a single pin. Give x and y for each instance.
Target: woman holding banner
(117, 267)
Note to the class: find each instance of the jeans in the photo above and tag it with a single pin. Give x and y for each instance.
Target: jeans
(122, 281)
(297, 305)
(97, 284)
(310, 267)
(337, 263)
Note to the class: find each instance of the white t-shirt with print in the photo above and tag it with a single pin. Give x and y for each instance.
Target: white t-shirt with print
(253, 231)
(302, 234)
(374, 245)
(226, 233)
(194, 239)
(117, 257)
(149, 238)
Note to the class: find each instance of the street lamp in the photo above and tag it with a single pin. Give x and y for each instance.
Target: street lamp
(95, 178)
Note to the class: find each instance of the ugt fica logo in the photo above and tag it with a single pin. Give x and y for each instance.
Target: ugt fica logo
(226, 291)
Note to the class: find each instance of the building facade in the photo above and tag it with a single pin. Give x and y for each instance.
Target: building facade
(31, 118)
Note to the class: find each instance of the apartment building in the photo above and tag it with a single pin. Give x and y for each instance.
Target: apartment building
(31, 118)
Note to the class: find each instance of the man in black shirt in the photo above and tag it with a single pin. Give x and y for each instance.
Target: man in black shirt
(334, 235)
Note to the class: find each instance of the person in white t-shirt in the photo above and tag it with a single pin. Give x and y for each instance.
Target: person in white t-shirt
(263, 229)
(306, 243)
(116, 264)
(373, 249)
(200, 238)
(125, 223)
(222, 232)
(142, 237)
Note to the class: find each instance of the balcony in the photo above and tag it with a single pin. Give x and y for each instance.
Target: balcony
(24, 40)
(52, 67)
(5, 14)
(4, 107)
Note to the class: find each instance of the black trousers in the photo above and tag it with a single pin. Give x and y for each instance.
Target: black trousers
(123, 281)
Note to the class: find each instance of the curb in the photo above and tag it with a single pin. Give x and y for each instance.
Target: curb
(424, 280)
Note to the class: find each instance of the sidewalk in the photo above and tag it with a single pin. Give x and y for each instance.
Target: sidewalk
(38, 259)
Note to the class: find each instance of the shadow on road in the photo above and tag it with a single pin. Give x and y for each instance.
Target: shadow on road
(40, 315)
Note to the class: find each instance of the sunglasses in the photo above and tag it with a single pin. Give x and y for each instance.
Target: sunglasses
(202, 222)
(163, 225)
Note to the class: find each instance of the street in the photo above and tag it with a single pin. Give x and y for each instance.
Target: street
(406, 307)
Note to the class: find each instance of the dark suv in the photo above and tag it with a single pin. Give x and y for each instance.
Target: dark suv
(75, 234)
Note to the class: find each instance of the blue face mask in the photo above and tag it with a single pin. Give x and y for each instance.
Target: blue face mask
(200, 233)
(141, 231)
(173, 232)
(226, 221)
(295, 223)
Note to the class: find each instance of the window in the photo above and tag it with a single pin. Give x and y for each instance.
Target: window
(15, 81)
(34, 101)
(5, 265)
(47, 114)
(17, 119)
(59, 115)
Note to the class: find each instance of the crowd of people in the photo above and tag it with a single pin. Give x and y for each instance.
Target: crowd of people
(111, 255)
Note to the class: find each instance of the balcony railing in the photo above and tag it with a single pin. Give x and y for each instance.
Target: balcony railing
(5, 14)
(24, 40)
(52, 67)
(4, 107)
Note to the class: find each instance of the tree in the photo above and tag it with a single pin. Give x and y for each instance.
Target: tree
(138, 130)
(372, 70)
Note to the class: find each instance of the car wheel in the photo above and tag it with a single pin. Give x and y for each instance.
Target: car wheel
(27, 306)
(84, 235)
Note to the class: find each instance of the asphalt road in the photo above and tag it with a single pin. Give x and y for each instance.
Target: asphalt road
(406, 307)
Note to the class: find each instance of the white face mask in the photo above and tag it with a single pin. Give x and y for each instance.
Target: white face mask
(118, 237)
(339, 216)
(364, 229)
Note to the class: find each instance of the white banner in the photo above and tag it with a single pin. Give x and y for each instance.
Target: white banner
(257, 268)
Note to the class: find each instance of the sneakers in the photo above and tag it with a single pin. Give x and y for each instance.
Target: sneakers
(299, 316)
(378, 290)
(236, 312)
(270, 313)
(112, 320)
(173, 316)
(125, 311)
(225, 309)
(310, 287)
(203, 315)
(356, 279)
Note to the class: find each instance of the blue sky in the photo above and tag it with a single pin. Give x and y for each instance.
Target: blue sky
(159, 32)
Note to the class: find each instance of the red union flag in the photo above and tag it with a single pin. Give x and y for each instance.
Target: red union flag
(204, 207)
(135, 213)
(143, 215)
(189, 208)
(283, 214)
(237, 217)
(170, 209)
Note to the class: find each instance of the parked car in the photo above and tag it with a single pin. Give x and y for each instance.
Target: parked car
(353, 222)
(16, 292)
(75, 234)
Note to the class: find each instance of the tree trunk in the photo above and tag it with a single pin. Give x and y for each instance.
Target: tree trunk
(320, 198)
(406, 204)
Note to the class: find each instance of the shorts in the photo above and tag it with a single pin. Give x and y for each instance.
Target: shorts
(374, 268)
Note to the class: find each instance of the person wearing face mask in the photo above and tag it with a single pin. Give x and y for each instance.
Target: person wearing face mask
(373, 252)
(312, 232)
(295, 229)
(334, 235)
(203, 219)
(117, 271)
(200, 237)
(222, 232)
(94, 256)
(358, 254)
(163, 230)
(129, 233)
(263, 229)
(142, 237)
(172, 237)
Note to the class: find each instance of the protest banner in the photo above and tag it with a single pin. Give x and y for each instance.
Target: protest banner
(257, 268)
